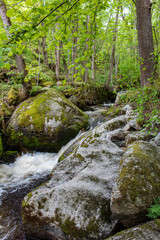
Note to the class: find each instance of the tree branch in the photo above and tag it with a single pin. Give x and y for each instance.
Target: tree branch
(36, 25)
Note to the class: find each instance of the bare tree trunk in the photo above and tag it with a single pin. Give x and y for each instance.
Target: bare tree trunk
(26, 86)
(85, 75)
(57, 56)
(39, 62)
(145, 41)
(64, 62)
(113, 49)
(44, 46)
(93, 61)
(74, 49)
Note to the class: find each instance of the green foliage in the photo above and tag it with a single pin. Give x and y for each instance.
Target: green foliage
(147, 101)
(35, 90)
(154, 210)
(38, 73)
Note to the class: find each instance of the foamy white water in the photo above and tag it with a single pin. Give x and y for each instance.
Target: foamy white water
(31, 164)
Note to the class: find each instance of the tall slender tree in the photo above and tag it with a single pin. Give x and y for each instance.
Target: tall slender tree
(145, 41)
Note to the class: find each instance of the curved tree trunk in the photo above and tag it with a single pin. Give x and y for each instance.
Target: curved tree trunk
(145, 41)
(18, 58)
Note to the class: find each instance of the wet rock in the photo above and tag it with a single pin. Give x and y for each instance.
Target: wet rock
(147, 231)
(9, 156)
(45, 123)
(134, 136)
(138, 183)
(75, 203)
(118, 137)
(156, 140)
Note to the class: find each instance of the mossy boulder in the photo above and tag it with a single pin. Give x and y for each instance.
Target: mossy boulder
(5, 110)
(86, 95)
(75, 203)
(138, 183)
(13, 96)
(9, 156)
(147, 231)
(45, 123)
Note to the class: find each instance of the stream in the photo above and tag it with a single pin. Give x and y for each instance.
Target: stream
(25, 174)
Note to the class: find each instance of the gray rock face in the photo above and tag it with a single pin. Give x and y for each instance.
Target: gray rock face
(45, 122)
(156, 140)
(135, 136)
(138, 183)
(75, 203)
(147, 231)
(131, 117)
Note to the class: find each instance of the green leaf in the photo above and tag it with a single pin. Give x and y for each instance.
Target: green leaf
(1, 64)
(7, 65)
(10, 54)
(64, 82)
(10, 12)
(28, 2)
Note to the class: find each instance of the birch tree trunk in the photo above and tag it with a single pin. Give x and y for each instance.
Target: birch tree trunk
(26, 86)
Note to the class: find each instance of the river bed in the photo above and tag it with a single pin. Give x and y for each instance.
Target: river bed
(25, 174)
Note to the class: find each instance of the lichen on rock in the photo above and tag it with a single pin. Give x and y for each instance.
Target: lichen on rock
(75, 203)
(146, 231)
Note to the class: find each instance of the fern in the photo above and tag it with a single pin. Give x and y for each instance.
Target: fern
(154, 210)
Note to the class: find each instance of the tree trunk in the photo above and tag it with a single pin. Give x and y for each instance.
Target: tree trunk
(74, 48)
(145, 41)
(85, 75)
(93, 61)
(44, 46)
(57, 55)
(26, 86)
(113, 49)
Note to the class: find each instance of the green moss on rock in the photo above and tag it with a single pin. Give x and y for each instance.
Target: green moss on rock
(9, 156)
(45, 122)
(13, 96)
(138, 183)
(146, 231)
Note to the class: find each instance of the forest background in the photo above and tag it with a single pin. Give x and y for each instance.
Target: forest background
(65, 44)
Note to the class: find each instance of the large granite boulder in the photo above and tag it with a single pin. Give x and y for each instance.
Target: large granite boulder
(45, 122)
(75, 203)
(138, 183)
(149, 230)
